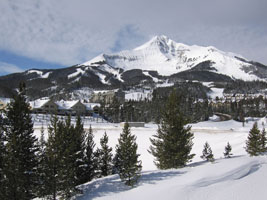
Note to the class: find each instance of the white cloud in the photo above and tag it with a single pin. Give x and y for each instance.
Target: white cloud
(68, 32)
(6, 68)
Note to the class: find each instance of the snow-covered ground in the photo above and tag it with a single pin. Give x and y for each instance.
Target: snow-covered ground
(240, 177)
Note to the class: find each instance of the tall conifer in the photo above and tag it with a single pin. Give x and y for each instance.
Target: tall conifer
(127, 163)
(51, 161)
(53, 156)
(79, 149)
(263, 141)
(253, 143)
(64, 154)
(21, 148)
(42, 167)
(67, 160)
(105, 157)
(172, 144)
(90, 157)
(2, 176)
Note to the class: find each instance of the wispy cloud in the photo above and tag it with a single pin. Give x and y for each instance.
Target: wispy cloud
(68, 32)
(6, 68)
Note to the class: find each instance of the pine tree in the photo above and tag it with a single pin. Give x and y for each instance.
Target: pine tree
(172, 144)
(105, 157)
(207, 153)
(127, 163)
(80, 141)
(2, 176)
(227, 153)
(41, 169)
(67, 171)
(64, 154)
(263, 141)
(253, 143)
(90, 157)
(53, 155)
(21, 147)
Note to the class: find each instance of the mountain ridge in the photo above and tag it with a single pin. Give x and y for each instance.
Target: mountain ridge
(168, 57)
(160, 60)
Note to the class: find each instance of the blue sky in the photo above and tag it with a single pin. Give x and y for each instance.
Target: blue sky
(53, 34)
(11, 63)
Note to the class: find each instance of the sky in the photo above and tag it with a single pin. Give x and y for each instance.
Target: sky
(54, 34)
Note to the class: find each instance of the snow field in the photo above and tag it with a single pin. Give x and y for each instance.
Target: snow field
(217, 134)
(238, 178)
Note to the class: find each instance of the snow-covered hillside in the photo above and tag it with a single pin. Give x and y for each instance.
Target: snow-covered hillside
(237, 178)
(167, 57)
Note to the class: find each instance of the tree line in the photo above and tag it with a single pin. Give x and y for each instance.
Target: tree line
(53, 167)
(149, 110)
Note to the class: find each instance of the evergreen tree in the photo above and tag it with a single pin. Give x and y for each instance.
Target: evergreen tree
(65, 156)
(67, 171)
(2, 176)
(53, 155)
(90, 157)
(127, 163)
(263, 141)
(173, 142)
(21, 147)
(207, 153)
(105, 157)
(253, 143)
(80, 141)
(227, 153)
(41, 170)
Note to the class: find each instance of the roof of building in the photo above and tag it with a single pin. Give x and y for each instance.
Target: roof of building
(65, 105)
(62, 105)
(38, 103)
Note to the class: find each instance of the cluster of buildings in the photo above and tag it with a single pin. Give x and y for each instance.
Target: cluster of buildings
(77, 107)
(108, 96)
(48, 106)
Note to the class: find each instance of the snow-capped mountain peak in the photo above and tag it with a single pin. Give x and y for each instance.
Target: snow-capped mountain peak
(168, 57)
(160, 42)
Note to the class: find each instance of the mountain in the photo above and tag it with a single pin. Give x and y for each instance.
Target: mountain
(158, 61)
(167, 57)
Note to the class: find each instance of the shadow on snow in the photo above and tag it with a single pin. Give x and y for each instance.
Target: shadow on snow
(112, 184)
